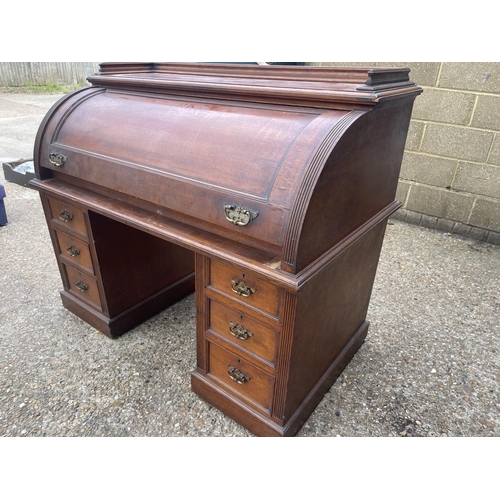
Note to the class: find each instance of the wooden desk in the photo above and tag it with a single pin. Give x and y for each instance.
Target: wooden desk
(265, 189)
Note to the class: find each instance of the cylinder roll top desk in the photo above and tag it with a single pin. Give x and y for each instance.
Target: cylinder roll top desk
(265, 189)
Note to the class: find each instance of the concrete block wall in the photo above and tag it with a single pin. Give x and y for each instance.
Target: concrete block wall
(450, 176)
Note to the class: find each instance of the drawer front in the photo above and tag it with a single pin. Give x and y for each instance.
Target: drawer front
(74, 249)
(240, 376)
(245, 286)
(67, 214)
(83, 286)
(242, 330)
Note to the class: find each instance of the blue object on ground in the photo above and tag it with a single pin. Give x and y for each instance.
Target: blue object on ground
(3, 213)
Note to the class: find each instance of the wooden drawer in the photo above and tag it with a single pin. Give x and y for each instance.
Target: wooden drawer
(252, 383)
(245, 286)
(244, 331)
(83, 286)
(68, 215)
(74, 249)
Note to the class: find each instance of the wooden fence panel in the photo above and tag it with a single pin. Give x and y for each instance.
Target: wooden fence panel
(19, 74)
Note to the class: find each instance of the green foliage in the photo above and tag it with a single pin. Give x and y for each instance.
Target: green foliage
(31, 88)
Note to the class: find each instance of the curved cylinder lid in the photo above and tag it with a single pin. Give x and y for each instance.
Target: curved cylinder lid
(213, 146)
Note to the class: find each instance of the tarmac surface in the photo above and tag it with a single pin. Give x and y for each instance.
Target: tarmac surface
(430, 365)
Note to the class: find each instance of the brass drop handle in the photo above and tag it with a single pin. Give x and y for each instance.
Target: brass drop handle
(65, 216)
(238, 376)
(81, 286)
(239, 331)
(241, 288)
(57, 159)
(73, 251)
(239, 215)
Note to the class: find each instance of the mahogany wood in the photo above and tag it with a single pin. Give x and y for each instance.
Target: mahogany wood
(254, 335)
(265, 297)
(74, 251)
(135, 265)
(265, 188)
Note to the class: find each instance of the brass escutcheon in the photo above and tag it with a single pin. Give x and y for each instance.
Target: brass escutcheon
(81, 286)
(57, 159)
(239, 331)
(239, 215)
(237, 375)
(65, 216)
(73, 251)
(241, 288)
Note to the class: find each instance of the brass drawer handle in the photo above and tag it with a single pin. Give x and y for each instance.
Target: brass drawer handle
(81, 286)
(73, 251)
(65, 216)
(238, 376)
(239, 331)
(241, 288)
(57, 159)
(239, 215)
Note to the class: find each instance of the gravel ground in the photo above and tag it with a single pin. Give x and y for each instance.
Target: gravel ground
(429, 366)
